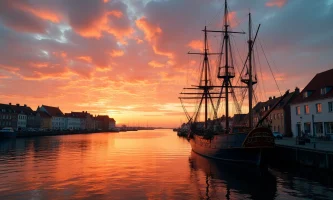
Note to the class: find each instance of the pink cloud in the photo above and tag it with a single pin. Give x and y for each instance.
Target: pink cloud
(278, 3)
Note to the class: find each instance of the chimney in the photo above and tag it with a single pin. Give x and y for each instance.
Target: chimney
(296, 90)
(270, 98)
(10, 104)
(273, 97)
(82, 111)
(17, 104)
(25, 105)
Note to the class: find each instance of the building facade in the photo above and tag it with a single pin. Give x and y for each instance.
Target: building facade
(72, 122)
(312, 110)
(57, 117)
(279, 119)
(7, 116)
(112, 124)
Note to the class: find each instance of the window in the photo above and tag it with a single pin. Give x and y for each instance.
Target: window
(305, 95)
(318, 107)
(307, 127)
(298, 110)
(318, 127)
(330, 106)
(328, 127)
(306, 109)
(325, 90)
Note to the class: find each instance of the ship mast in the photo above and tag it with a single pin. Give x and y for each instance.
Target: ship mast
(226, 79)
(205, 95)
(226, 72)
(206, 90)
(250, 42)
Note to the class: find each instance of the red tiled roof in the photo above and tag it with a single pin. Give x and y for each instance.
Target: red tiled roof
(53, 111)
(321, 80)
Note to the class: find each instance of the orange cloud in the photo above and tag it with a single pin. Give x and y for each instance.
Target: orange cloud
(117, 53)
(155, 64)
(152, 34)
(115, 13)
(85, 58)
(107, 24)
(196, 44)
(44, 14)
(39, 65)
(278, 3)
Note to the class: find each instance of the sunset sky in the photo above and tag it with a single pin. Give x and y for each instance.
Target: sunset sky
(128, 58)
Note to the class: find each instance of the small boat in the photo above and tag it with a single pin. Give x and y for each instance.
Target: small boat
(213, 136)
(7, 132)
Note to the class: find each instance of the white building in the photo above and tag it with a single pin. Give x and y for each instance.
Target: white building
(72, 122)
(312, 110)
(21, 120)
(58, 119)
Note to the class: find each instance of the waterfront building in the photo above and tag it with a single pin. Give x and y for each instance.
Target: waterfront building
(21, 117)
(86, 120)
(279, 118)
(7, 116)
(72, 121)
(44, 120)
(312, 110)
(112, 124)
(57, 116)
(102, 122)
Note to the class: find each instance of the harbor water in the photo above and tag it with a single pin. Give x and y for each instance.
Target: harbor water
(154, 164)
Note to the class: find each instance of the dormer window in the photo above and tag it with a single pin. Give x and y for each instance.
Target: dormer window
(306, 94)
(325, 90)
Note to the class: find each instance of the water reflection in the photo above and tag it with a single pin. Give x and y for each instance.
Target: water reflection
(136, 165)
(231, 180)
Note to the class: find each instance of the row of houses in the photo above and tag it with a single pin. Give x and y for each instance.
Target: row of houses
(51, 118)
(309, 111)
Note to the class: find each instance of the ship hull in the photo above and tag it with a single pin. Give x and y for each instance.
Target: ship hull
(231, 148)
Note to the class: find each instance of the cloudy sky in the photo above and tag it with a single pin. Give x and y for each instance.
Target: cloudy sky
(128, 58)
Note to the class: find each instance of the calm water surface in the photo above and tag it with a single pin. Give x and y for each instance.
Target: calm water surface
(137, 165)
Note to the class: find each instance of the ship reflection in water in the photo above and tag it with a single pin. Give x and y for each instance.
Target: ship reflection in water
(154, 164)
(232, 181)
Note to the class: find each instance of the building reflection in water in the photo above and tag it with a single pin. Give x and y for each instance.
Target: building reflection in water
(230, 181)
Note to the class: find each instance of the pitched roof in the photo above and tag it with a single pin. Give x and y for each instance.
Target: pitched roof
(81, 114)
(43, 114)
(22, 109)
(321, 80)
(272, 101)
(102, 117)
(53, 111)
(7, 108)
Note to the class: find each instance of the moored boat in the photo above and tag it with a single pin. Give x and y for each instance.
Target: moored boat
(7, 132)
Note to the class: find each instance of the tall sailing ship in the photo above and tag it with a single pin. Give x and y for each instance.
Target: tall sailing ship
(208, 137)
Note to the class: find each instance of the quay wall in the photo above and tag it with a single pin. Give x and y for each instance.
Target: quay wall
(294, 155)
